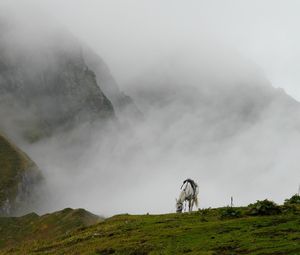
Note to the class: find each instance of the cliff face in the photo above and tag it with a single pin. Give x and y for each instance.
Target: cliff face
(123, 104)
(47, 86)
(19, 175)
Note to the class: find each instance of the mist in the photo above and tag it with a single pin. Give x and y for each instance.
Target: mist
(210, 110)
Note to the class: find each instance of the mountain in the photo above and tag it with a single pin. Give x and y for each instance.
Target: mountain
(203, 105)
(124, 106)
(50, 85)
(19, 175)
(46, 84)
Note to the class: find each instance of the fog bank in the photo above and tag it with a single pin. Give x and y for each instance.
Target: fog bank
(209, 112)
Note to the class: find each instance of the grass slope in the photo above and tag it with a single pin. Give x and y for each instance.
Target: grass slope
(204, 232)
(13, 165)
(31, 228)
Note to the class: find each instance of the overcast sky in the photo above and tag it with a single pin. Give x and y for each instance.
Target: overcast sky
(187, 138)
(265, 31)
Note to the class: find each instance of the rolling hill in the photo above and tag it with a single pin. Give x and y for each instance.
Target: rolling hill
(32, 228)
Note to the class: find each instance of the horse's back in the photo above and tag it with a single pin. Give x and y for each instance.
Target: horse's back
(190, 191)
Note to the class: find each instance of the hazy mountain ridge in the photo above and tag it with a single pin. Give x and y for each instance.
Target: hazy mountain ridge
(124, 106)
(45, 88)
(53, 90)
(217, 108)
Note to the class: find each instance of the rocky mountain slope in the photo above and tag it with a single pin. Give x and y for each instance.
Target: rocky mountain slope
(50, 83)
(19, 175)
(46, 84)
(124, 106)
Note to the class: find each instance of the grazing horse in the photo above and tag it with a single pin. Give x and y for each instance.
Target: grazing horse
(187, 194)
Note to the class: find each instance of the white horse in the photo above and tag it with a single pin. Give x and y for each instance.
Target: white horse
(187, 194)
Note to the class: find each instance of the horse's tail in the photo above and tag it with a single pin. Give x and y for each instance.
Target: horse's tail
(196, 200)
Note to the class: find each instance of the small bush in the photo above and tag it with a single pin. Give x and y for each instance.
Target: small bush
(205, 211)
(290, 208)
(264, 207)
(230, 212)
(293, 200)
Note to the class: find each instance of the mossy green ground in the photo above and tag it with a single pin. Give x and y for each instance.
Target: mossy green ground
(204, 232)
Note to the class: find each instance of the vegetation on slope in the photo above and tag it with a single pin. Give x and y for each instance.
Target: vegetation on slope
(208, 231)
(31, 227)
(17, 173)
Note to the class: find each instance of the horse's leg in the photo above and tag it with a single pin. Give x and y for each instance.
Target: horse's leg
(190, 205)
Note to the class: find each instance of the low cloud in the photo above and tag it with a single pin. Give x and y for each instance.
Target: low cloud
(209, 113)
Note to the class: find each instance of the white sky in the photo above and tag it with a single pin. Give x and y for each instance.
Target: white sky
(128, 32)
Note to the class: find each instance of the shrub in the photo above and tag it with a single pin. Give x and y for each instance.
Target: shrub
(205, 211)
(264, 207)
(295, 199)
(290, 208)
(230, 212)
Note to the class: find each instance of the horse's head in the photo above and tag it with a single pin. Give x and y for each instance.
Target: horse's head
(179, 206)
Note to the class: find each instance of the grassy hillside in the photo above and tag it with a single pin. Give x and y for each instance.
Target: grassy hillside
(31, 227)
(17, 173)
(210, 231)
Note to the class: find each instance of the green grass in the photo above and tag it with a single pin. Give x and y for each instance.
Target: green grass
(204, 232)
(13, 164)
